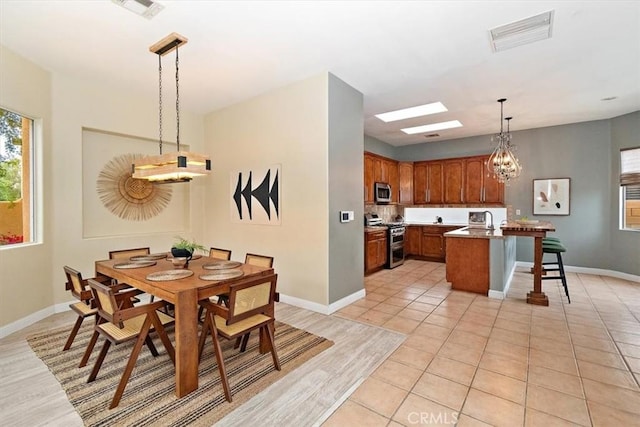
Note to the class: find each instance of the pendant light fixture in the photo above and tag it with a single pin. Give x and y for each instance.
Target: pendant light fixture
(180, 166)
(503, 164)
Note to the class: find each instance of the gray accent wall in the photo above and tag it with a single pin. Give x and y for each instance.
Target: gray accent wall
(625, 245)
(346, 183)
(588, 153)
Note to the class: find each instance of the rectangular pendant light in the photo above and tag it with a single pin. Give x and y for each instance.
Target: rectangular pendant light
(179, 166)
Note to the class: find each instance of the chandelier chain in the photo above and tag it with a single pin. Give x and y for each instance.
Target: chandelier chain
(160, 101)
(177, 104)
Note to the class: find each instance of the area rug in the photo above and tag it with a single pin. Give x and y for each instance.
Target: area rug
(149, 398)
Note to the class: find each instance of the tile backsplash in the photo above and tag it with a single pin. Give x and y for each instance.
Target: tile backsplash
(388, 213)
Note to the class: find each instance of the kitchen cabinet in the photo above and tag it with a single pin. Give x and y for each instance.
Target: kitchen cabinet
(412, 236)
(428, 182)
(453, 180)
(405, 183)
(380, 169)
(375, 250)
(480, 186)
(369, 178)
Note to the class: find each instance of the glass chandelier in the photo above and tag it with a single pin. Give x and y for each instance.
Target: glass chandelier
(179, 166)
(503, 163)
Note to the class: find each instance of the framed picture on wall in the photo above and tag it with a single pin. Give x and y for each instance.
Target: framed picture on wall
(551, 196)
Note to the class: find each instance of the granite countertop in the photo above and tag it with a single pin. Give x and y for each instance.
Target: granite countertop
(372, 228)
(439, 224)
(476, 233)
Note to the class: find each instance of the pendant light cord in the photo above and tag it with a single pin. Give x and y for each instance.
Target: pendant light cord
(160, 100)
(177, 104)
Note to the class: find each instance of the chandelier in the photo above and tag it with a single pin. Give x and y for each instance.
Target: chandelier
(179, 166)
(503, 163)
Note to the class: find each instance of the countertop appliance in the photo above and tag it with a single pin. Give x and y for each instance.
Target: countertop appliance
(382, 192)
(477, 219)
(372, 219)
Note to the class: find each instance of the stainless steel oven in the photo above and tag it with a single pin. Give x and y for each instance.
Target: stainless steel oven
(395, 245)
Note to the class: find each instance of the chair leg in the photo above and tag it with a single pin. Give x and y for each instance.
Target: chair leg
(74, 332)
(164, 338)
(152, 348)
(272, 345)
(144, 334)
(563, 277)
(220, 360)
(87, 352)
(203, 334)
(245, 340)
(101, 356)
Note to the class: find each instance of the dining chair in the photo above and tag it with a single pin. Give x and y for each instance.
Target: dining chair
(85, 307)
(217, 253)
(128, 253)
(250, 308)
(121, 323)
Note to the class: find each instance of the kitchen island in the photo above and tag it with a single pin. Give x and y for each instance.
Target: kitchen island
(480, 260)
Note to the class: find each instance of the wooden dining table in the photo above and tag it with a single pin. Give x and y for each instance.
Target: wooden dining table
(538, 231)
(184, 294)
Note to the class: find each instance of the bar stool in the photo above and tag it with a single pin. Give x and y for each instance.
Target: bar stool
(553, 245)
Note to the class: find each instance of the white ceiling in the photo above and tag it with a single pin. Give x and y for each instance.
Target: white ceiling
(397, 53)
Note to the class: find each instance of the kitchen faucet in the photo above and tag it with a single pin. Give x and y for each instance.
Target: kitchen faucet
(490, 223)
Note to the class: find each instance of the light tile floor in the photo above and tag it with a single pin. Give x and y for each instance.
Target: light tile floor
(474, 361)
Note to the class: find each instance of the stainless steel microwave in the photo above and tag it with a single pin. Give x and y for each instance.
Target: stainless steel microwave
(382, 192)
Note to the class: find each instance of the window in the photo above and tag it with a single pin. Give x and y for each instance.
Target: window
(630, 189)
(15, 179)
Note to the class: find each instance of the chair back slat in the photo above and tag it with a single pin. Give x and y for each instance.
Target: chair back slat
(251, 298)
(259, 260)
(128, 253)
(74, 277)
(218, 253)
(105, 299)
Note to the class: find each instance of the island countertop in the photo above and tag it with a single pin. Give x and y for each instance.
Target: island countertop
(475, 233)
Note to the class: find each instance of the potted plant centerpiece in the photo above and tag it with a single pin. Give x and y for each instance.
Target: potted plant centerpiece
(184, 248)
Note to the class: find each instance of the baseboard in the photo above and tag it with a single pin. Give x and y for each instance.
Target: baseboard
(320, 308)
(588, 270)
(26, 321)
(496, 294)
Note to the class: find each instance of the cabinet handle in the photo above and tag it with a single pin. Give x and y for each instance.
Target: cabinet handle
(427, 195)
(461, 198)
(483, 193)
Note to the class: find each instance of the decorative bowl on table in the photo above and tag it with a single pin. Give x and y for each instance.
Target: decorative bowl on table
(179, 261)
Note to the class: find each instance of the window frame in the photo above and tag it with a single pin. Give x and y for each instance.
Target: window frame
(628, 178)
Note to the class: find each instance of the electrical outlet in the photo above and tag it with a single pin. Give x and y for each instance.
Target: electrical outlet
(517, 211)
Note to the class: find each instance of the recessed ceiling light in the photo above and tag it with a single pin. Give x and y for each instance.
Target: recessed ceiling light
(522, 32)
(433, 127)
(407, 113)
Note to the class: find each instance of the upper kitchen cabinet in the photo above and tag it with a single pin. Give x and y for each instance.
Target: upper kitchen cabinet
(405, 179)
(428, 182)
(453, 181)
(480, 186)
(380, 169)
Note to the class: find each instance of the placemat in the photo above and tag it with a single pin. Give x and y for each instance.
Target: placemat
(222, 275)
(137, 264)
(149, 257)
(221, 265)
(166, 275)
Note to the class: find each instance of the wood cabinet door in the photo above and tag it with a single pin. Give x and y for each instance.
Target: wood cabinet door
(435, 185)
(473, 182)
(369, 178)
(392, 172)
(371, 256)
(420, 180)
(413, 236)
(380, 169)
(431, 245)
(493, 190)
(382, 252)
(453, 178)
(405, 183)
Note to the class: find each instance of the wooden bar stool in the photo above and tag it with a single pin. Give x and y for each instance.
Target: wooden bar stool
(555, 247)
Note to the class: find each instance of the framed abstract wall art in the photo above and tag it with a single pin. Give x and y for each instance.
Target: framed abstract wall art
(551, 196)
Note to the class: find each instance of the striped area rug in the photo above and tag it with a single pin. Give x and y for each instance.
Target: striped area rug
(149, 398)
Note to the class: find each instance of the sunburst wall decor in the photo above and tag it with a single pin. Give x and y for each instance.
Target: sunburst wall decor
(129, 198)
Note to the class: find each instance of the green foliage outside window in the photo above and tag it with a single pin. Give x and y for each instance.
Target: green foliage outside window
(10, 156)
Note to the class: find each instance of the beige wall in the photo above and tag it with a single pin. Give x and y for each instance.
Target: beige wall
(25, 271)
(31, 276)
(288, 126)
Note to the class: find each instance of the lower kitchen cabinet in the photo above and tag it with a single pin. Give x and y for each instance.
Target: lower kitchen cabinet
(375, 253)
(428, 241)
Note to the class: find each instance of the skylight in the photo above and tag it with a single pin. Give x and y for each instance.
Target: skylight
(433, 127)
(408, 113)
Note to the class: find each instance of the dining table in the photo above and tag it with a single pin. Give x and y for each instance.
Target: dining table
(184, 293)
(538, 230)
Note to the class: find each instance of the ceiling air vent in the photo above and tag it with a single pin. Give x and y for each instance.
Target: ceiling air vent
(145, 8)
(522, 32)
(432, 135)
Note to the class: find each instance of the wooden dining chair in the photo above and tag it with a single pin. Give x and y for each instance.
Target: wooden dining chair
(122, 323)
(128, 253)
(85, 307)
(217, 253)
(250, 308)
